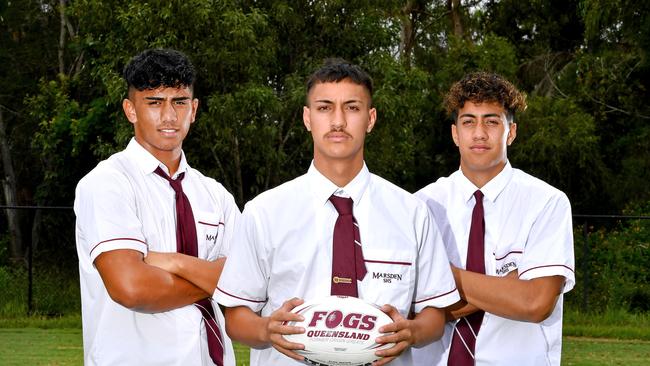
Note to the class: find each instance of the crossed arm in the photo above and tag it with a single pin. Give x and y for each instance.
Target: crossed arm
(508, 297)
(153, 286)
(246, 326)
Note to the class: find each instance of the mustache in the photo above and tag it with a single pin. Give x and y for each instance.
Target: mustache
(337, 131)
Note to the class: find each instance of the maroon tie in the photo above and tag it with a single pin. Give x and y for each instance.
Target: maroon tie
(348, 266)
(186, 243)
(463, 342)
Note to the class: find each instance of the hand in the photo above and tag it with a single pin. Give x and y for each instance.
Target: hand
(401, 335)
(276, 327)
(164, 261)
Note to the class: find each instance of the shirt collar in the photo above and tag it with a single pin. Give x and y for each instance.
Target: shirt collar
(323, 188)
(148, 163)
(491, 190)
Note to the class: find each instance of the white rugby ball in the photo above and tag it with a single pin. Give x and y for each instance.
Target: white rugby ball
(340, 331)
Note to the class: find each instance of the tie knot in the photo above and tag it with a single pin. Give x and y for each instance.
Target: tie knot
(478, 195)
(176, 184)
(342, 205)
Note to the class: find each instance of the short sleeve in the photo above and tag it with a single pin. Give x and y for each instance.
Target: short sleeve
(230, 216)
(106, 216)
(549, 248)
(244, 280)
(435, 283)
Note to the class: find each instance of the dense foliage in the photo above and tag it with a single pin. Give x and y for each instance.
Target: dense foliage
(583, 63)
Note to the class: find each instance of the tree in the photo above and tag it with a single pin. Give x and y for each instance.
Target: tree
(27, 51)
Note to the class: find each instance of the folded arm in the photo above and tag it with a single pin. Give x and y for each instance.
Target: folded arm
(141, 287)
(202, 273)
(509, 297)
(462, 308)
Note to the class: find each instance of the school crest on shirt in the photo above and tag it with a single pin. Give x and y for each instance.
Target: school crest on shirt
(387, 277)
(507, 268)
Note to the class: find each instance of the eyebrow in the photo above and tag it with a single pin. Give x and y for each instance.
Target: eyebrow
(327, 101)
(483, 115)
(175, 99)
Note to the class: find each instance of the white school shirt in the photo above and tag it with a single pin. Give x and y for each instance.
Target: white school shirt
(123, 204)
(284, 250)
(528, 227)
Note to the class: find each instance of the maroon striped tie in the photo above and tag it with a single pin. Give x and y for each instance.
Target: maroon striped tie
(348, 266)
(463, 343)
(186, 243)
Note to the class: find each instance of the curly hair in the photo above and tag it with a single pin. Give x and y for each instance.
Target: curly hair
(155, 68)
(337, 69)
(480, 87)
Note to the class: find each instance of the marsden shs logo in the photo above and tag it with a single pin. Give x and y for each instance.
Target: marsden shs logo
(387, 277)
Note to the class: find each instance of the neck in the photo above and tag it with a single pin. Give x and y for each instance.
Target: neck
(339, 172)
(481, 177)
(171, 159)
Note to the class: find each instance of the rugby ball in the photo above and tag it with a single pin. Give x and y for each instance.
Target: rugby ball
(339, 331)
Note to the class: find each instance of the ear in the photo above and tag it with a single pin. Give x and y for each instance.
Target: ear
(129, 110)
(454, 134)
(306, 118)
(512, 133)
(195, 107)
(371, 121)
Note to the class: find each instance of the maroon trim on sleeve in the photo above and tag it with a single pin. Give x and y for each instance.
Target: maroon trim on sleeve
(240, 298)
(434, 297)
(106, 241)
(549, 265)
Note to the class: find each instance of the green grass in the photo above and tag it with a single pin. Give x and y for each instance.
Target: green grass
(614, 324)
(54, 346)
(34, 346)
(597, 351)
(613, 338)
(42, 322)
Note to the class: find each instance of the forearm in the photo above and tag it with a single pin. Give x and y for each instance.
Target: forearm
(141, 287)
(247, 327)
(509, 297)
(202, 273)
(161, 291)
(427, 326)
(459, 310)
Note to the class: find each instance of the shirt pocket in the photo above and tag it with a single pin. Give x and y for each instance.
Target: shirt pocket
(389, 279)
(209, 232)
(507, 261)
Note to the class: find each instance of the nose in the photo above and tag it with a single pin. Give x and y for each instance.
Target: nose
(480, 131)
(168, 113)
(338, 119)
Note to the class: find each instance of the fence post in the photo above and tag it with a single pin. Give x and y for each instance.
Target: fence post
(30, 279)
(585, 266)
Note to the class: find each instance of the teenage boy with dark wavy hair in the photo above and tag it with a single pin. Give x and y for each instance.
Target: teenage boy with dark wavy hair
(509, 238)
(144, 216)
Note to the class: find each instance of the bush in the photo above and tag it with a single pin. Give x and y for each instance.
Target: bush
(13, 286)
(55, 291)
(617, 266)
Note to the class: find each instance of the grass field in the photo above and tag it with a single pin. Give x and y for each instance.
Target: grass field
(612, 338)
(600, 351)
(35, 346)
